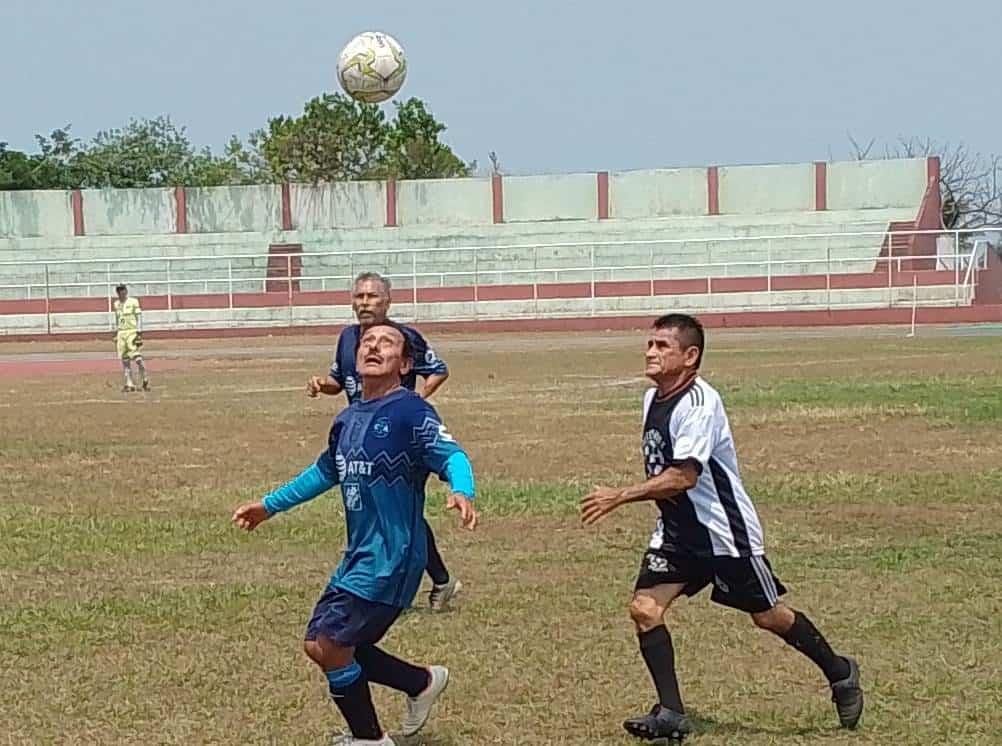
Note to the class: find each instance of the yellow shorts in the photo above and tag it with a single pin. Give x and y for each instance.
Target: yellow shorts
(127, 347)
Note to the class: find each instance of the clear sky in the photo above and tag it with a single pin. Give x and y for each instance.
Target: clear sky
(551, 86)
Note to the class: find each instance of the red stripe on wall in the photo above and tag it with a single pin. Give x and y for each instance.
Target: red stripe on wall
(564, 290)
(712, 191)
(497, 198)
(440, 295)
(739, 284)
(181, 208)
(602, 182)
(616, 289)
(932, 170)
(78, 305)
(391, 203)
(820, 186)
(505, 292)
(286, 208)
(680, 287)
(76, 201)
(322, 298)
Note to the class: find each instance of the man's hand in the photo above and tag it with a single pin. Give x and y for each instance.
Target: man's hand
(467, 513)
(250, 515)
(139, 340)
(314, 386)
(599, 503)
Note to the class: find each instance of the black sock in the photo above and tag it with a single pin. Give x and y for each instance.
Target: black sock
(436, 566)
(354, 700)
(382, 668)
(804, 636)
(659, 655)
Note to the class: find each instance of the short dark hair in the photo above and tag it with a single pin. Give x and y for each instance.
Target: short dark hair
(408, 348)
(690, 331)
(375, 277)
(120, 288)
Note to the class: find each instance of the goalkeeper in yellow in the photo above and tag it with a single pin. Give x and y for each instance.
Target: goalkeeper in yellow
(129, 336)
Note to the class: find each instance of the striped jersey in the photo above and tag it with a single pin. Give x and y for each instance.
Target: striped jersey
(716, 517)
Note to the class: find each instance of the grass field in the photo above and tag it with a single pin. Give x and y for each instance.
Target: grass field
(131, 612)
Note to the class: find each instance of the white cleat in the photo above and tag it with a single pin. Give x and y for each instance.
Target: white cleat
(440, 595)
(350, 740)
(419, 707)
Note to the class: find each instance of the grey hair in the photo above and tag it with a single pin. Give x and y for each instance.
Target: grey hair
(375, 277)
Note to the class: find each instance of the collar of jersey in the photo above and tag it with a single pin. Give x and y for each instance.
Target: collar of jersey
(382, 399)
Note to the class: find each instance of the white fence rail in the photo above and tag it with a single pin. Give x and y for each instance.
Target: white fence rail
(771, 259)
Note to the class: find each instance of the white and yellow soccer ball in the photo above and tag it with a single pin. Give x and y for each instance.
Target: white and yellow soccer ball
(372, 67)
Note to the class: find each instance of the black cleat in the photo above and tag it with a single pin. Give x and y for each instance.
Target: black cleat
(847, 695)
(660, 725)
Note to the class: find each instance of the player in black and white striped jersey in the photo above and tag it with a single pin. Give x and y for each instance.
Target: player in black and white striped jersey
(708, 531)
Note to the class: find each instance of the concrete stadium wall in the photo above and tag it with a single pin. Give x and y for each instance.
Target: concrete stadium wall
(358, 204)
(876, 184)
(635, 195)
(235, 209)
(34, 214)
(496, 254)
(117, 212)
(545, 198)
(657, 194)
(444, 202)
(753, 190)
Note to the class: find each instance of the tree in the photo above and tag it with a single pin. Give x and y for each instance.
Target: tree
(144, 153)
(336, 138)
(413, 150)
(970, 182)
(16, 169)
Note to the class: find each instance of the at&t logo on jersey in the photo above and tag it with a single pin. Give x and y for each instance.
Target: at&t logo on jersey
(358, 469)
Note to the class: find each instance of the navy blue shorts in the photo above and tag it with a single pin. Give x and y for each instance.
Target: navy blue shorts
(349, 620)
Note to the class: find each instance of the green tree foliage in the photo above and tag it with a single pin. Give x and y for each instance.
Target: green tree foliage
(412, 149)
(335, 138)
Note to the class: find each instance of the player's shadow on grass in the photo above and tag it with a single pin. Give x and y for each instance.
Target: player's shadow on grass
(705, 725)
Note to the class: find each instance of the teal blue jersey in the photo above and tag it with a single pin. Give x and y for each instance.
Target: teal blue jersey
(382, 452)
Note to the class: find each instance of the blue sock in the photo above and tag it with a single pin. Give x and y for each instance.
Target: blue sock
(350, 691)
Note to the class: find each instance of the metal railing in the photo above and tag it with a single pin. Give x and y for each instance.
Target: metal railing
(772, 259)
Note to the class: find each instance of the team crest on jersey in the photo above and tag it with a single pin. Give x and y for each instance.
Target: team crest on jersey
(654, 452)
(429, 356)
(381, 428)
(352, 497)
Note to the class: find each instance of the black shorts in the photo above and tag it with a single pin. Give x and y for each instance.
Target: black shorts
(350, 620)
(745, 583)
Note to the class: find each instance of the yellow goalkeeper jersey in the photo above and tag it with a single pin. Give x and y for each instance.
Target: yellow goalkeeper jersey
(127, 314)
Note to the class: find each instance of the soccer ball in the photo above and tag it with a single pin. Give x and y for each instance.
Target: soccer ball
(372, 67)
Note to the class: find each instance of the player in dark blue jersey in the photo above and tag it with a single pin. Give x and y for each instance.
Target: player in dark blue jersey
(381, 451)
(370, 301)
